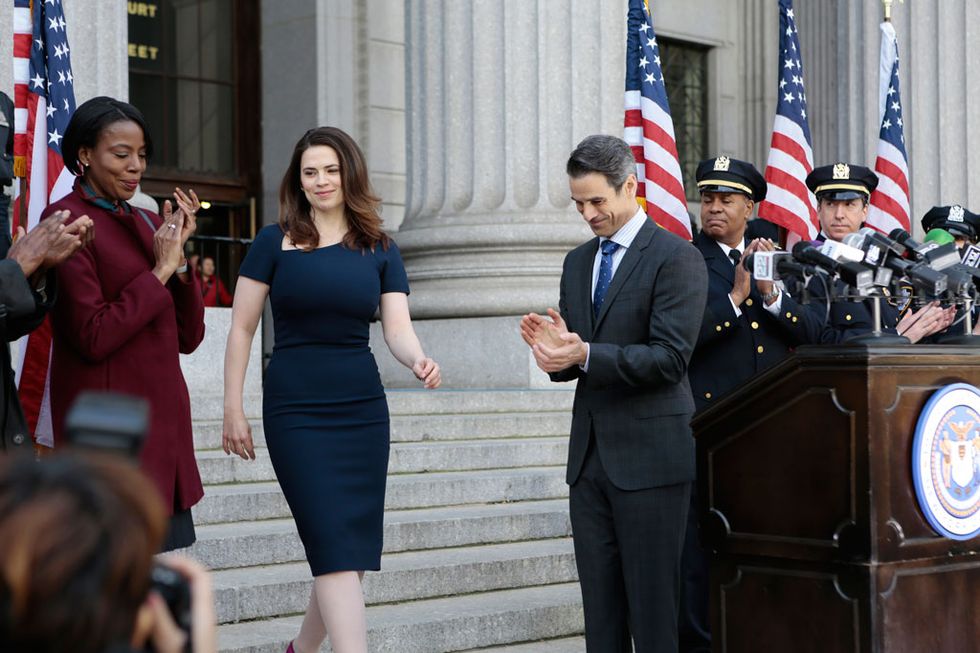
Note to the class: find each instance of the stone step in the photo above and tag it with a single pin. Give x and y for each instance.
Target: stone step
(563, 645)
(455, 402)
(246, 544)
(217, 467)
(254, 501)
(210, 406)
(437, 625)
(420, 428)
(273, 590)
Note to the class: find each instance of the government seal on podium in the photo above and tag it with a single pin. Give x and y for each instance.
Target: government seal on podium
(946, 461)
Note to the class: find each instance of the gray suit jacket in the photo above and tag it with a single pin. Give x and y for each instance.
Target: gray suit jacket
(635, 397)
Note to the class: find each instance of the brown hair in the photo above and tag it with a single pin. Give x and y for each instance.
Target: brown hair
(77, 539)
(360, 203)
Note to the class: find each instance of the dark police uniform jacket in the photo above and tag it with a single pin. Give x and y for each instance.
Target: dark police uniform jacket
(846, 319)
(22, 310)
(732, 349)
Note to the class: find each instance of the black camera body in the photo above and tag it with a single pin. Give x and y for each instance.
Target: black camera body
(176, 593)
(117, 424)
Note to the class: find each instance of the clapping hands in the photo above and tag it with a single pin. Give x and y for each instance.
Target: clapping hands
(51, 242)
(555, 348)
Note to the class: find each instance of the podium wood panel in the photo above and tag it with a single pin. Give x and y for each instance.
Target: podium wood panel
(809, 507)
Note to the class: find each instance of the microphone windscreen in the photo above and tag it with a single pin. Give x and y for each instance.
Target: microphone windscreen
(899, 234)
(802, 246)
(940, 237)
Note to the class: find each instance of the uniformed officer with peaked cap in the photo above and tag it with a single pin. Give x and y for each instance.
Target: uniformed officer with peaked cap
(843, 192)
(962, 224)
(747, 326)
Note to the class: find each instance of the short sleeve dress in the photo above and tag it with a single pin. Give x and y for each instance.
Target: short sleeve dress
(324, 408)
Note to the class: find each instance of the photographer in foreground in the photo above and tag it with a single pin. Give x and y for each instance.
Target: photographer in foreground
(78, 534)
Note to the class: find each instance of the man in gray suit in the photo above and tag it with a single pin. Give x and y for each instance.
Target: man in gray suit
(630, 310)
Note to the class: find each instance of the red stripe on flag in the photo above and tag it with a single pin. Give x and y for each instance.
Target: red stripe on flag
(665, 180)
(35, 373)
(781, 179)
(659, 135)
(633, 118)
(891, 207)
(22, 45)
(668, 221)
(892, 171)
(784, 143)
(779, 215)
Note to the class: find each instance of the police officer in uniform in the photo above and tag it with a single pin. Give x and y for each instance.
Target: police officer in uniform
(843, 192)
(962, 225)
(748, 326)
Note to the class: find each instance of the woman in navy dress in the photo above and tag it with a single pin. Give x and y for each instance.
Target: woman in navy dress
(326, 267)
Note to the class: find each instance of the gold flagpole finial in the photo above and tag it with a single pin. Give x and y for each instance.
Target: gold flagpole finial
(888, 9)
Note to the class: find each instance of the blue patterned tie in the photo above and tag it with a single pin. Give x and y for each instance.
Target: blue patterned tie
(605, 275)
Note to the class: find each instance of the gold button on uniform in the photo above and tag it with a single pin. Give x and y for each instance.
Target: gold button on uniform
(847, 317)
(718, 328)
(748, 302)
(728, 324)
(788, 314)
(707, 395)
(795, 319)
(755, 325)
(760, 349)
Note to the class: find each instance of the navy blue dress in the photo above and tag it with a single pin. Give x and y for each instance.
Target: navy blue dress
(324, 408)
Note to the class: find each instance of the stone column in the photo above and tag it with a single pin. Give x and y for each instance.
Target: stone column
(498, 94)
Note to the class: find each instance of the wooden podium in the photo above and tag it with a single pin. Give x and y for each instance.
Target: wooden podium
(809, 508)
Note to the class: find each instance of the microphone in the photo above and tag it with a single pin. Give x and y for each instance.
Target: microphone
(971, 256)
(874, 256)
(772, 266)
(841, 251)
(883, 241)
(938, 256)
(853, 274)
(939, 237)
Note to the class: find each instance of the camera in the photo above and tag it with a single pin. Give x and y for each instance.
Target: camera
(117, 424)
(176, 593)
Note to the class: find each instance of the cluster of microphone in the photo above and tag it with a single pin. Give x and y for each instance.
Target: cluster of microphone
(868, 262)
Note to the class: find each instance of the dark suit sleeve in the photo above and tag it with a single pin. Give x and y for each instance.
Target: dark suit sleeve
(676, 312)
(26, 308)
(573, 372)
(15, 292)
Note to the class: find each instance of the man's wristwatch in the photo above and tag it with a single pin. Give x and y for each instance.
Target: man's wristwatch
(183, 268)
(771, 296)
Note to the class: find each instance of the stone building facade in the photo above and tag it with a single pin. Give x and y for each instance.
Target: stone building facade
(467, 110)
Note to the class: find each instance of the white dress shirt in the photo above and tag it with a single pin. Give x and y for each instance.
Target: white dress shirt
(624, 238)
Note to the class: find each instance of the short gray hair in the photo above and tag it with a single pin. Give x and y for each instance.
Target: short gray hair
(607, 155)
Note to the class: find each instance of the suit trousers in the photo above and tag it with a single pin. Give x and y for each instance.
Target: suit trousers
(628, 550)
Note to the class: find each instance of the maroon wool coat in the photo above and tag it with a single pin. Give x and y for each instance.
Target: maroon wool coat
(116, 327)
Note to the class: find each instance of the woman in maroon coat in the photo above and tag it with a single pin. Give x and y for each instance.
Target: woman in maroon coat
(128, 304)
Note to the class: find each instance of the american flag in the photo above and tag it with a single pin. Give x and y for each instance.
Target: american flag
(649, 129)
(47, 105)
(890, 202)
(788, 201)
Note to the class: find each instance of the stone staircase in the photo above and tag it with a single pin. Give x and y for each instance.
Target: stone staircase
(477, 555)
